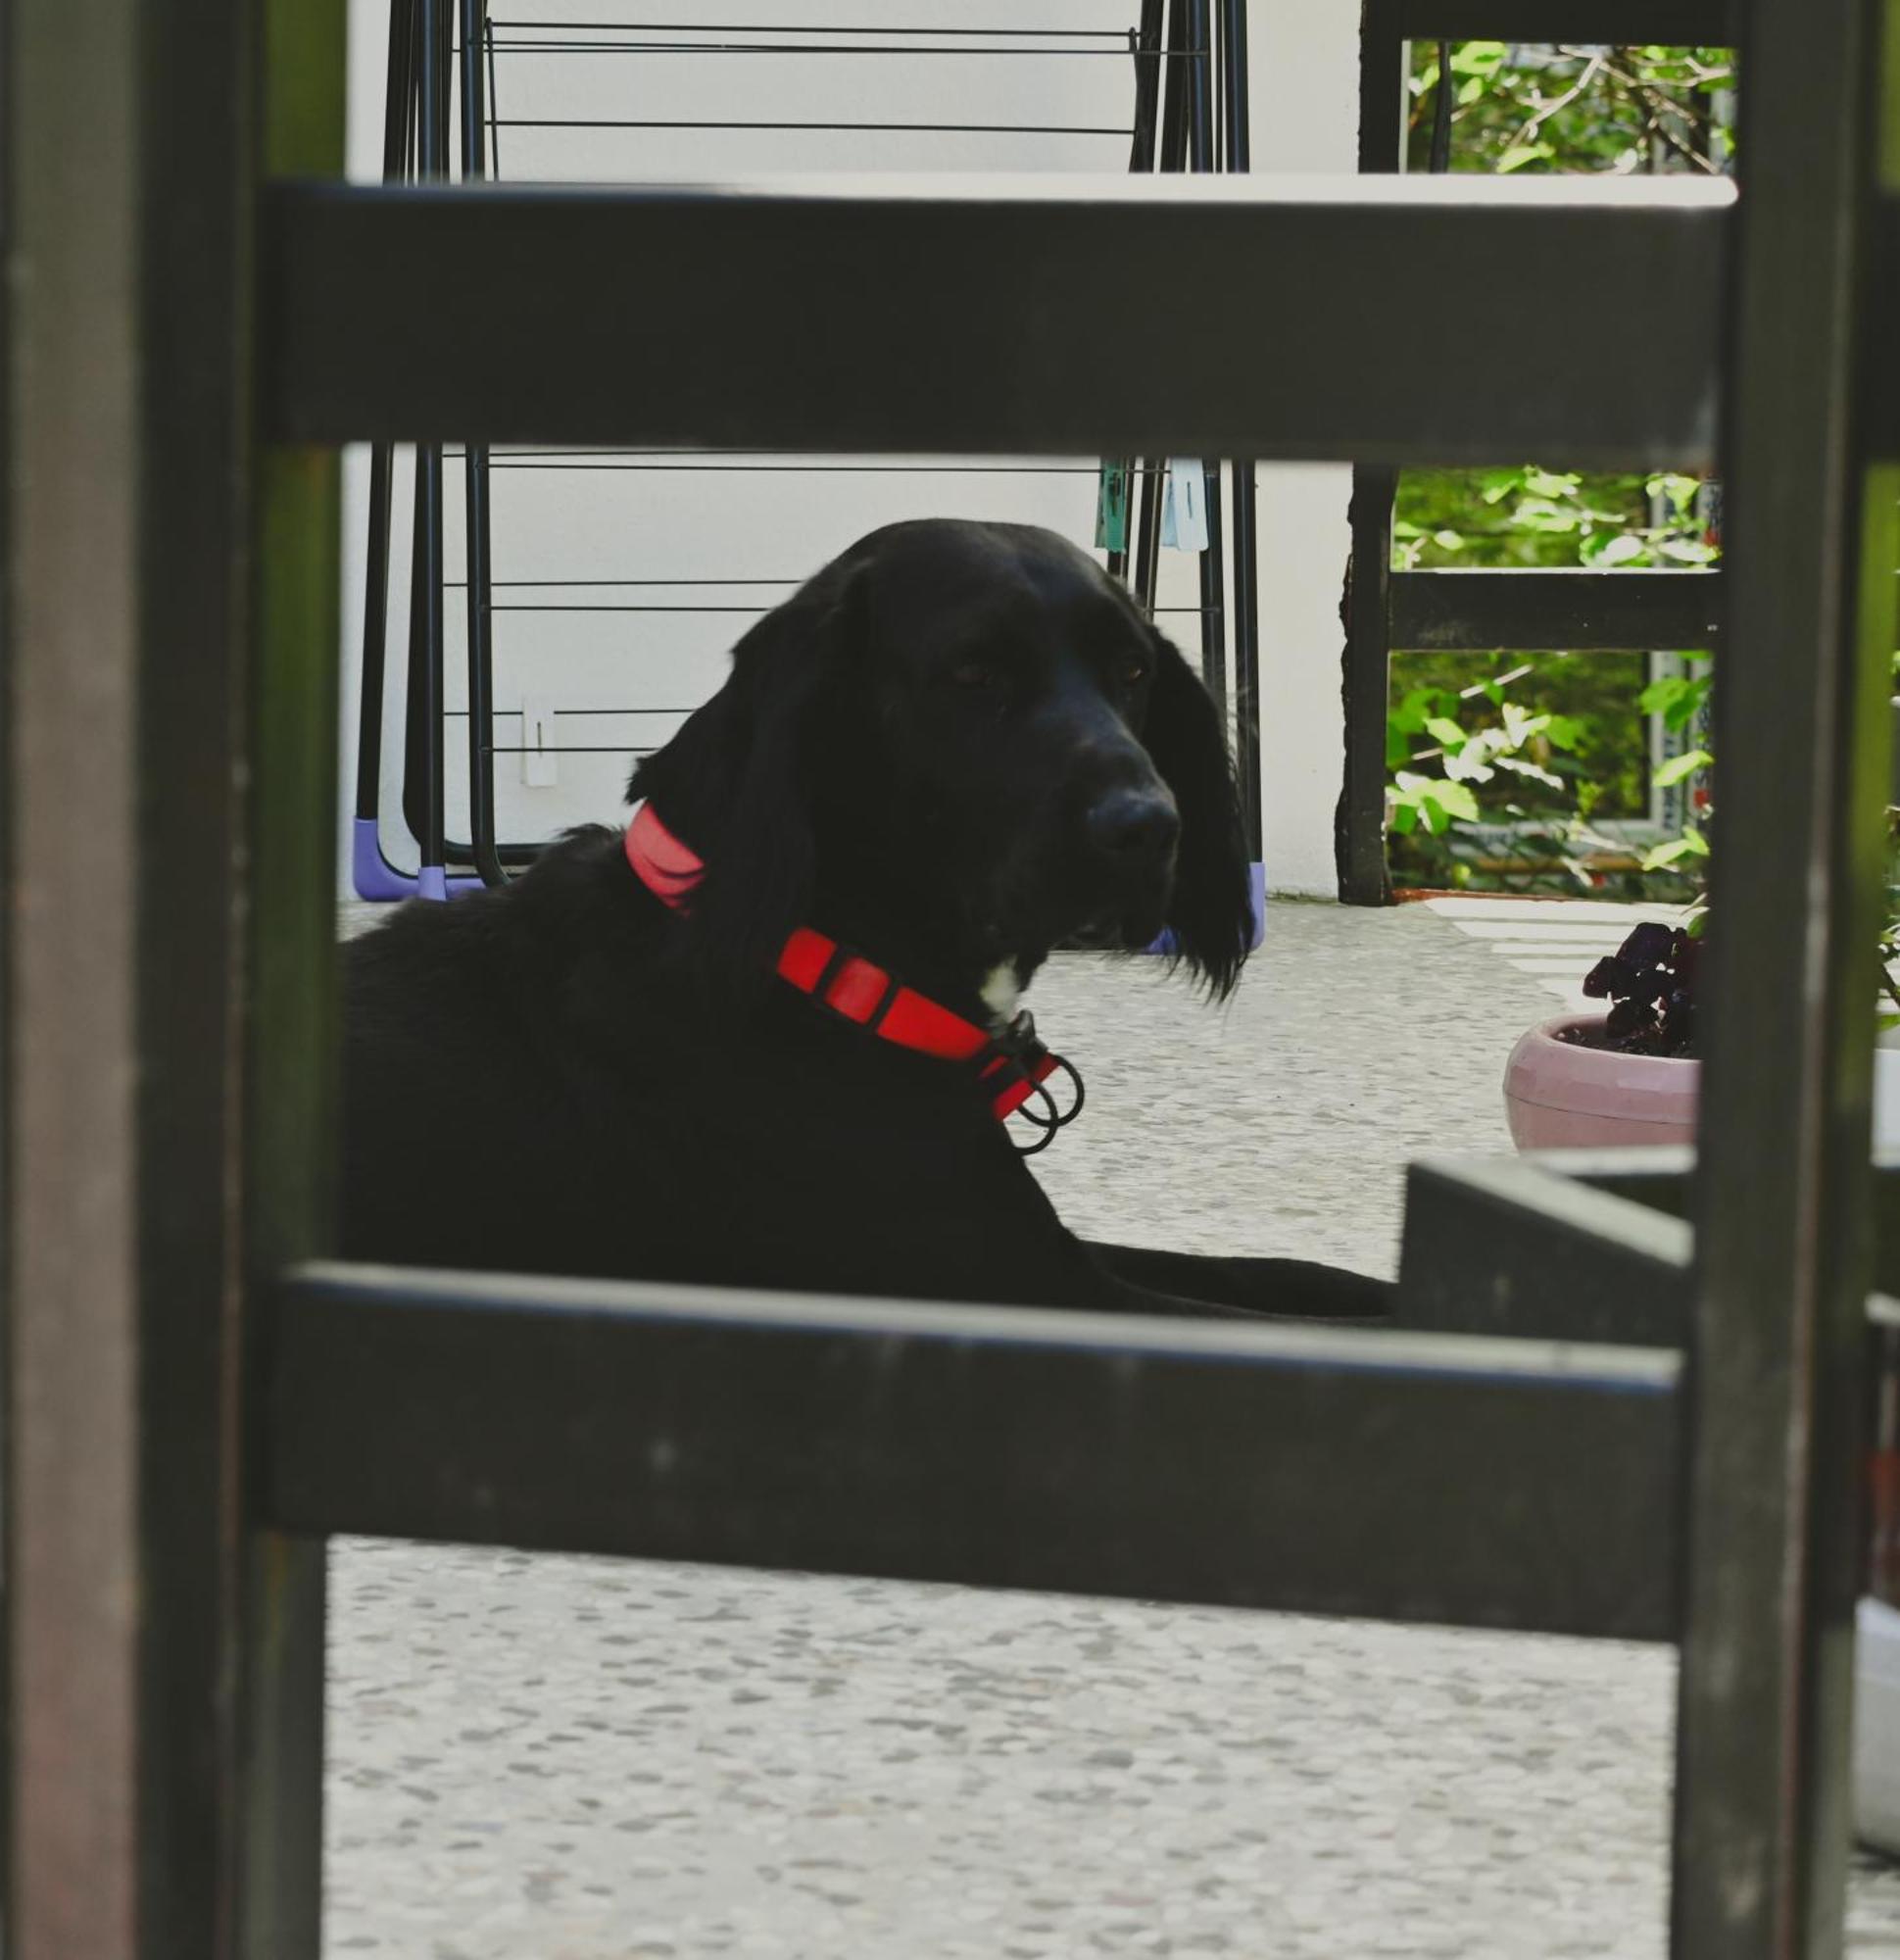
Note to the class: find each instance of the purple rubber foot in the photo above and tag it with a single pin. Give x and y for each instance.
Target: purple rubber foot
(1256, 875)
(377, 879)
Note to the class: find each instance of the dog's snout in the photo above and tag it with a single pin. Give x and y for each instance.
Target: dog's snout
(1135, 827)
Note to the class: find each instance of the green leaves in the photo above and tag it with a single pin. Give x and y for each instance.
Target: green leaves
(1548, 515)
(1482, 59)
(1475, 66)
(1468, 756)
(1678, 768)
(1678, 492)
(1691, 843)
(1431, 801)
(1518, 766)
(1621, 548)
(1519, 155)
(1405, 722)
(1676, 698)
(1533, 515)
(1573, 109)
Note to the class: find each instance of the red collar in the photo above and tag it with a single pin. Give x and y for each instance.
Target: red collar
(845, 983)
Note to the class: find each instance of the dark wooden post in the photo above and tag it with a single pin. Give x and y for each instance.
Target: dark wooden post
(151, 1808)
(1359, 828)
(1781, 1219)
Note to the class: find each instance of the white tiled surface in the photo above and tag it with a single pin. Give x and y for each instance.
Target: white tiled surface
(1554, 942)
(564, 1759)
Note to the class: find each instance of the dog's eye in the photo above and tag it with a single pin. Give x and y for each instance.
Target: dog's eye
(973, 675)
(1135, 673)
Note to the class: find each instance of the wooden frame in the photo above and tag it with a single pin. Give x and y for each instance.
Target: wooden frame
(1388, 611)
(177, 1366)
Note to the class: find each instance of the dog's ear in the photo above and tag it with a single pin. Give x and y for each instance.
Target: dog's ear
(738, 783)
(1211, 915)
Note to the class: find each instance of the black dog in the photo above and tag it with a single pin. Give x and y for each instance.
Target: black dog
(958, 747)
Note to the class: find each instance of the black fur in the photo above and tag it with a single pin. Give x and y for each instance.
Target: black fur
(959, 745)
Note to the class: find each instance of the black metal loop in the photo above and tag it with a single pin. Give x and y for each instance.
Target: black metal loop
(1057, 1118)
(1074, 1074)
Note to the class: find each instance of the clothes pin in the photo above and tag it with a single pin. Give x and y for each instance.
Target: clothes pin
(1111, 509)
(1184, 505)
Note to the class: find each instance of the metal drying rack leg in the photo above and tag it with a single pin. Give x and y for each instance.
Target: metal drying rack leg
(1203, 158)
(1171, 154)
(372, 874)
(1141, 163)
(371, 868)
(1237, 155)
(422, 789)
(480, 556)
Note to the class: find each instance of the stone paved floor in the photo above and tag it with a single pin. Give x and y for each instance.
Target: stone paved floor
(568, 1759)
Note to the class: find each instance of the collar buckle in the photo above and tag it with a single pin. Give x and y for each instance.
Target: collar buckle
(839, 957)
(1023, 1064)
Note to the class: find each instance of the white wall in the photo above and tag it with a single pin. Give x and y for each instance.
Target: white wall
(1304, 72)
(688, 524)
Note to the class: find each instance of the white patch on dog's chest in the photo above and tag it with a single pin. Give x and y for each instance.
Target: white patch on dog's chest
(1002, 993)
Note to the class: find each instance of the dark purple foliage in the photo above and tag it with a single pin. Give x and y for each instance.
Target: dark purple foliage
(1650, 985)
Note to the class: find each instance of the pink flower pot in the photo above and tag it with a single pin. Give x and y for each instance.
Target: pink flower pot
(1561, 1095)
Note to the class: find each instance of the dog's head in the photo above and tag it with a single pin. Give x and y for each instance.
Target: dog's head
(966, 737)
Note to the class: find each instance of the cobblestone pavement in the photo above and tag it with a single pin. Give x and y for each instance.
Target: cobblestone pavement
(571, 1759)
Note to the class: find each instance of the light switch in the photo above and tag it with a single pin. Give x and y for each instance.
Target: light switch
(538, 767)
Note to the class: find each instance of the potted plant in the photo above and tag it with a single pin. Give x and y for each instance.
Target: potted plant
(1626, 1076)
(1630, 1075)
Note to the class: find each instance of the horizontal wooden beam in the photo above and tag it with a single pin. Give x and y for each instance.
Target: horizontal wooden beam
(1578, 1244)
(1001, 317)
(1498, 1245)
(1314, 1470)
(1555, 610)
(1587, 23)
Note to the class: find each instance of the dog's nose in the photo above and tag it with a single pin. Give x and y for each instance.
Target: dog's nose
(1135, 827)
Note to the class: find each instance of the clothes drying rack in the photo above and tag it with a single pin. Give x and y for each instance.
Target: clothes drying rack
(1189, 112)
